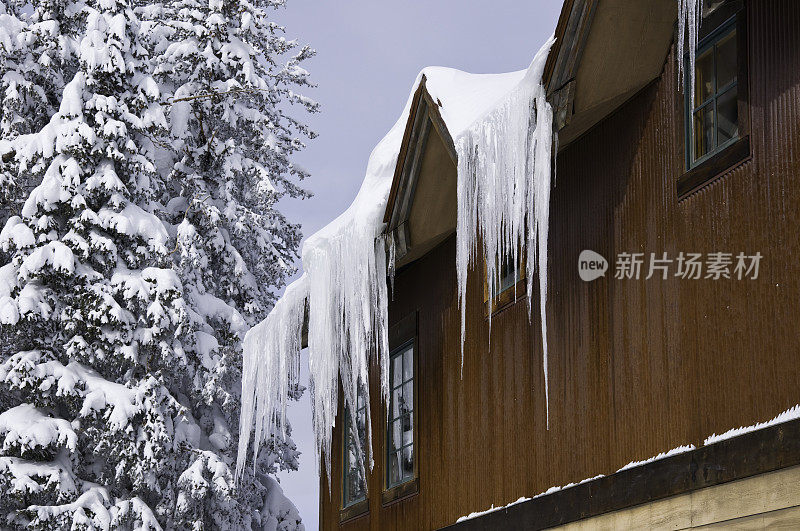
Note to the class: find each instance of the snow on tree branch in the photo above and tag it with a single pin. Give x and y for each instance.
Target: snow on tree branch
(140, 239)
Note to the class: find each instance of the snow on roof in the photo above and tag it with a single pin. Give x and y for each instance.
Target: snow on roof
(790, 414)
(464, 98)
(344, 280)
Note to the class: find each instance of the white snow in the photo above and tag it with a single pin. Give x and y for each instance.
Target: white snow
(17, 233)
(690, 15)
(133, 221)
(492, 509)
(345, 265)
(277, 507)
(54, 254)
(675, 451)
(116, 402)
(90, 511)
(790, 414)
(551, 490)
(27, 428)
(31, 477)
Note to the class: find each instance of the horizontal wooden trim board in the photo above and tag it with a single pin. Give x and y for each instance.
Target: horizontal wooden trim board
(745, 456)
(715, 167)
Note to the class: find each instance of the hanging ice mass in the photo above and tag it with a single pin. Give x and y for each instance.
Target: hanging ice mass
(504, 172)
(690, 16)
(501, 126)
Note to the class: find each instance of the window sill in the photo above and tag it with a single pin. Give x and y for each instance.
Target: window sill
(506, 299)
(354, 511)
(713, 168)
(401, 492)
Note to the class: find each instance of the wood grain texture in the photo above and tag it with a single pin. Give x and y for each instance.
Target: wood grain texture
(636, 367)
(767, 501)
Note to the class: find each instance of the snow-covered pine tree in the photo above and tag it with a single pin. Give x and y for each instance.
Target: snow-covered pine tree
(123, 299)
(230, 77)
(89, 308)
(37, 57)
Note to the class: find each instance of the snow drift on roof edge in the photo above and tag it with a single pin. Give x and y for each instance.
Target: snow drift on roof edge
(343, 287)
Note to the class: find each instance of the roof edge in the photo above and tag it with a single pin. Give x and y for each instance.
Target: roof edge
(401, 156)
(432, 110)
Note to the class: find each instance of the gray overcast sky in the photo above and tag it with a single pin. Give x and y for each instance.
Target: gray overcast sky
(368, 55)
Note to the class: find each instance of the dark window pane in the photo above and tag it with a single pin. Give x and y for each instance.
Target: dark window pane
(397, 371)
(704, 76)
(508, 275)
(726, 60)
(714, 120)
(408, 462)
(362, 431)
(355, 445)
(360, 401)
(396, 435)
(396, 399)
(408, 397)
(394, 468)
(400, 431)
(727, 116)
(408, 430)
(355, 486)
(408, 364)
(703, 131)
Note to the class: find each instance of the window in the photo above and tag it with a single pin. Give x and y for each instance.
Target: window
(510, 273)
(506, 288)
(354, 488)
(714, 120)
(400, 456)
(717, 126)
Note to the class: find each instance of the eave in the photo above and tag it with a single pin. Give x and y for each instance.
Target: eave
(604, 54)
(423, 119)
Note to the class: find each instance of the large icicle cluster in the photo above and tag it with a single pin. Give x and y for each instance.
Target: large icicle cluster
(276, 367)
(344, 289)
(497, 120)
(690, 15)
(504, 191)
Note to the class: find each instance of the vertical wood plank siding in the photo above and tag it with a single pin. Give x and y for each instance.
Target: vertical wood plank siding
(636, 367)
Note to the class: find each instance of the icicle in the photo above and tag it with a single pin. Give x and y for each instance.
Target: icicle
(348, 298)
(345, 290)
(504, 162)
(503, 189)
(690, 16)
(270, 369)
(392, 250)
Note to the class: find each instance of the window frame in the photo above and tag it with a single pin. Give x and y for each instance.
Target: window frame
(710, 43)
(508, 296)
(729, 16)
(361, 507)
(346, 426)
(403, 333)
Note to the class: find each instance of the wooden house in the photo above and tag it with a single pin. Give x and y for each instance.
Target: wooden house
(637, 366)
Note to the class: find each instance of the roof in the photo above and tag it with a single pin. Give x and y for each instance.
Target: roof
(605, 53)
(445, 103)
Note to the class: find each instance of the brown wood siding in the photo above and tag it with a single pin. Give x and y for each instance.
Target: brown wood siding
(636, 367)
